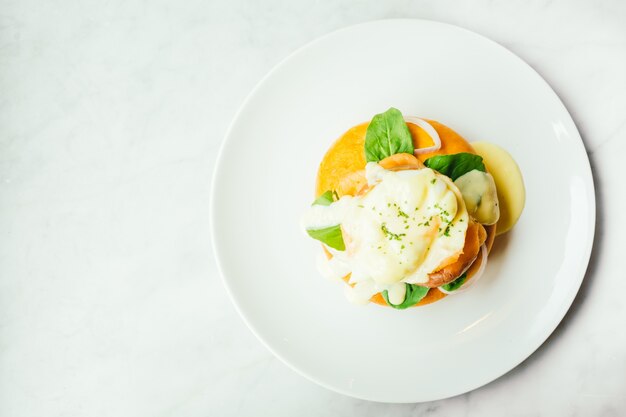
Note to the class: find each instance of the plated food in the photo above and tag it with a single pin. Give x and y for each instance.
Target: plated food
(407, 210)
(265, 178)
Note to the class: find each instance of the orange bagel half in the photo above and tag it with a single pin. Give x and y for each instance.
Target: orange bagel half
(343, 170)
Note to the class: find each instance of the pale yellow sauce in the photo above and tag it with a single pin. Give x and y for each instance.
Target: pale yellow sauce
(509, 183)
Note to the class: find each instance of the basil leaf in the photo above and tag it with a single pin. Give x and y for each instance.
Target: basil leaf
(414, 294)
(325, 199)
(456, 284)
(387, 134)
(330, 236)
(456, 164)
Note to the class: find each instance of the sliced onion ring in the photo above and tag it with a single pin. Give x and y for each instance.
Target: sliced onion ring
(473, 278)
(431, 132)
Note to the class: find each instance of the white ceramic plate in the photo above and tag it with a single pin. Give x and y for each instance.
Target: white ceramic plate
(265, 178)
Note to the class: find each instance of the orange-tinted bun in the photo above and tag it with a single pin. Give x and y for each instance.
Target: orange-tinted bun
(343, 169)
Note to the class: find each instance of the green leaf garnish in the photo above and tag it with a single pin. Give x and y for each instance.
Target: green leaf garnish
(325, 199)
(414, 294)
(456, 284)
(456, 164)
(387, 134)
(330, 236)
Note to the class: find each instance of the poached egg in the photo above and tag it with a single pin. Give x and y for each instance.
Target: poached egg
(406, 225)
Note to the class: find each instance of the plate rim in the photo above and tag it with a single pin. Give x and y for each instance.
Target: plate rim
(591, 226)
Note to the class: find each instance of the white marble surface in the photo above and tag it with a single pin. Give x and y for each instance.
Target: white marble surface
(111, 116)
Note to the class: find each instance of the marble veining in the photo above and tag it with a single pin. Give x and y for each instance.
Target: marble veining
(111, 115)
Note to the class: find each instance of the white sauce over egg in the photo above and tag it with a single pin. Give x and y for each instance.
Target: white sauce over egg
(409, 224)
